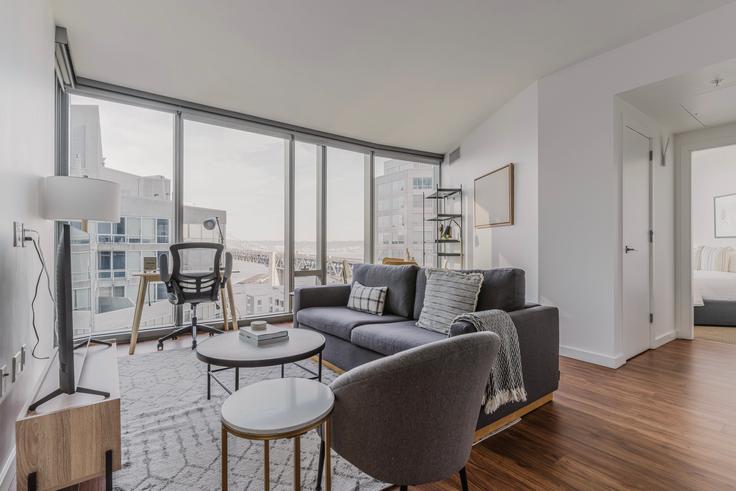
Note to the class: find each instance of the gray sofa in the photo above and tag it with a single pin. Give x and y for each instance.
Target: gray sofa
(354, 338)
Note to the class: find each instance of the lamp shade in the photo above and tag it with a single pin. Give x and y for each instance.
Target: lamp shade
(80, 198)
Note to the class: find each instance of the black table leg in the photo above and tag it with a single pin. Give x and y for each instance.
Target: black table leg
(237, 378)
(108, 470)
(209, 381)
(32, 486)
(282, 370)
(319, 367)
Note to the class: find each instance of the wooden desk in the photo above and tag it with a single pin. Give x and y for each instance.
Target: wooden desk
(73, 438)
(226, 295)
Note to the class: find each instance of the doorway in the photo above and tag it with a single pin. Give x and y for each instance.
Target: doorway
(636, 250)
(713, 218)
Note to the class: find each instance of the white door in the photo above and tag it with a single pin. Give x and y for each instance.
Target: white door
(635, 247)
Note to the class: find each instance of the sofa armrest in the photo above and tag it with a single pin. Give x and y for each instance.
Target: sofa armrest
(530, 315)
(321, 296)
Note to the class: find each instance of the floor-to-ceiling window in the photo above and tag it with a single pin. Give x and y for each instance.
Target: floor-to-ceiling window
(237, 173)
(399, 226)
(238, 177)
(132, 146)
(345, 181)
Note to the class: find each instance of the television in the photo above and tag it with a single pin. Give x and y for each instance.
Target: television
(65, 325)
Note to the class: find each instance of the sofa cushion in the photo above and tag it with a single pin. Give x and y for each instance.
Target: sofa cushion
(400, 280)
(339, 321)
(502, 288)
(389, 339)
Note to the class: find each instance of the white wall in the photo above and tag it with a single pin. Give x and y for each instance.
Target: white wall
(580, 177)
(26, 154)
(713, 174)
(509, 135)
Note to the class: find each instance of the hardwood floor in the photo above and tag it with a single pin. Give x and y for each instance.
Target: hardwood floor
(716, 333)
(665, 420)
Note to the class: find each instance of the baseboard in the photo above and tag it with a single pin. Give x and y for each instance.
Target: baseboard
(663, 339)
(593, 357)
(7, 473)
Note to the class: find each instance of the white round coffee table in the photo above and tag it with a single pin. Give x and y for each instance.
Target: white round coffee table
(276, 409)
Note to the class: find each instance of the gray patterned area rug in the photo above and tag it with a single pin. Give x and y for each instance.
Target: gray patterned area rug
(171, 432)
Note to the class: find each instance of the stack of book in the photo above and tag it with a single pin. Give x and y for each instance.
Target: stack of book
(262, 337)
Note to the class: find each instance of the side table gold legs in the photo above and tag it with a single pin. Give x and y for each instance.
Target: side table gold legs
(328, 457)
(224, 459)
(266, 474)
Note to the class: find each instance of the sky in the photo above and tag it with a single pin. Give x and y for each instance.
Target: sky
(237, 171)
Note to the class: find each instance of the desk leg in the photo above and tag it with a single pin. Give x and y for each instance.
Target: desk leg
(231, 300)
(266, 484)
(328, 455)
(223, 300)
(140, 300)
(223, 470)
(297, 463)
(209, 381)
(237, 378)
(31, 484)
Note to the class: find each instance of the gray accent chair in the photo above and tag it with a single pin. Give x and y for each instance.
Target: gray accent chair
(409, 419)
(354, 338)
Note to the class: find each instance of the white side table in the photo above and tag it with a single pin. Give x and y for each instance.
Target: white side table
(277, 409)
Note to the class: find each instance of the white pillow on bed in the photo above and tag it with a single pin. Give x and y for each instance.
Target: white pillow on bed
(731, 258)
(714, 258)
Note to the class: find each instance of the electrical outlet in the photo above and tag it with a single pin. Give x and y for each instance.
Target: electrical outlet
(15, 369)
(3, 377)
(18, 239)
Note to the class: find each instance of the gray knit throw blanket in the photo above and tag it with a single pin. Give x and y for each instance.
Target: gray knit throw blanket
(505, 383)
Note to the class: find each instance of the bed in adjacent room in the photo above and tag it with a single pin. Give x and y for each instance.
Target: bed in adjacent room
(714, 286)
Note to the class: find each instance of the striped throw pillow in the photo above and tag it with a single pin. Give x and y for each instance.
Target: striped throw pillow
(447, 295)
(369, 299)
(714, 258)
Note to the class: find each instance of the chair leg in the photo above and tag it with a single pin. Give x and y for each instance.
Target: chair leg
(403, 488)
(463, 479)
(321, 464)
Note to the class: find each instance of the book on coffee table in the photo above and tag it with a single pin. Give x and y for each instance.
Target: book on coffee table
(270, 335)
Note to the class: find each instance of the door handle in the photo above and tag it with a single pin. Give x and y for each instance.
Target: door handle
(628, 249)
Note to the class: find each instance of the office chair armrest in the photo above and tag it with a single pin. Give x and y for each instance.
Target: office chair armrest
(228, 267)
(163, 268)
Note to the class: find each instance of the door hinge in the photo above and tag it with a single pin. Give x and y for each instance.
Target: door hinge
(651, 155)
(651, 318)
(651, 236)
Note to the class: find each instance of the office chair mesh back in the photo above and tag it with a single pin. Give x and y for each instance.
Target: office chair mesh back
(196, 272)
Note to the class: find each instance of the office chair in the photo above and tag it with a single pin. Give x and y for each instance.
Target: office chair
(195, 278)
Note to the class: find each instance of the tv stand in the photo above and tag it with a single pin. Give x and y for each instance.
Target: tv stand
(72, 438)
(83, 390)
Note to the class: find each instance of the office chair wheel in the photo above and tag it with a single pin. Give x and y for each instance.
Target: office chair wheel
(212, 334)
(194, 344)
(174, 337)
(160, 346)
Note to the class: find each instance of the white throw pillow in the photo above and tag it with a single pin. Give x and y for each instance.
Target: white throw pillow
(367, 299)
(714, 258)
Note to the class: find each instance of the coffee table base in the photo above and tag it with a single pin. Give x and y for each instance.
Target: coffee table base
(211, 375)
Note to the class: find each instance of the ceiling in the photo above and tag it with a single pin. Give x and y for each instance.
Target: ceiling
(691, 101)
(413, 73)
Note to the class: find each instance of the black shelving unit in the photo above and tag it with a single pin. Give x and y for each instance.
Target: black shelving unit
(444, 208)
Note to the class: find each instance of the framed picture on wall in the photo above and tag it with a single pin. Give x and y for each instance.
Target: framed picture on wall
(493, 195)
(724, 213)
